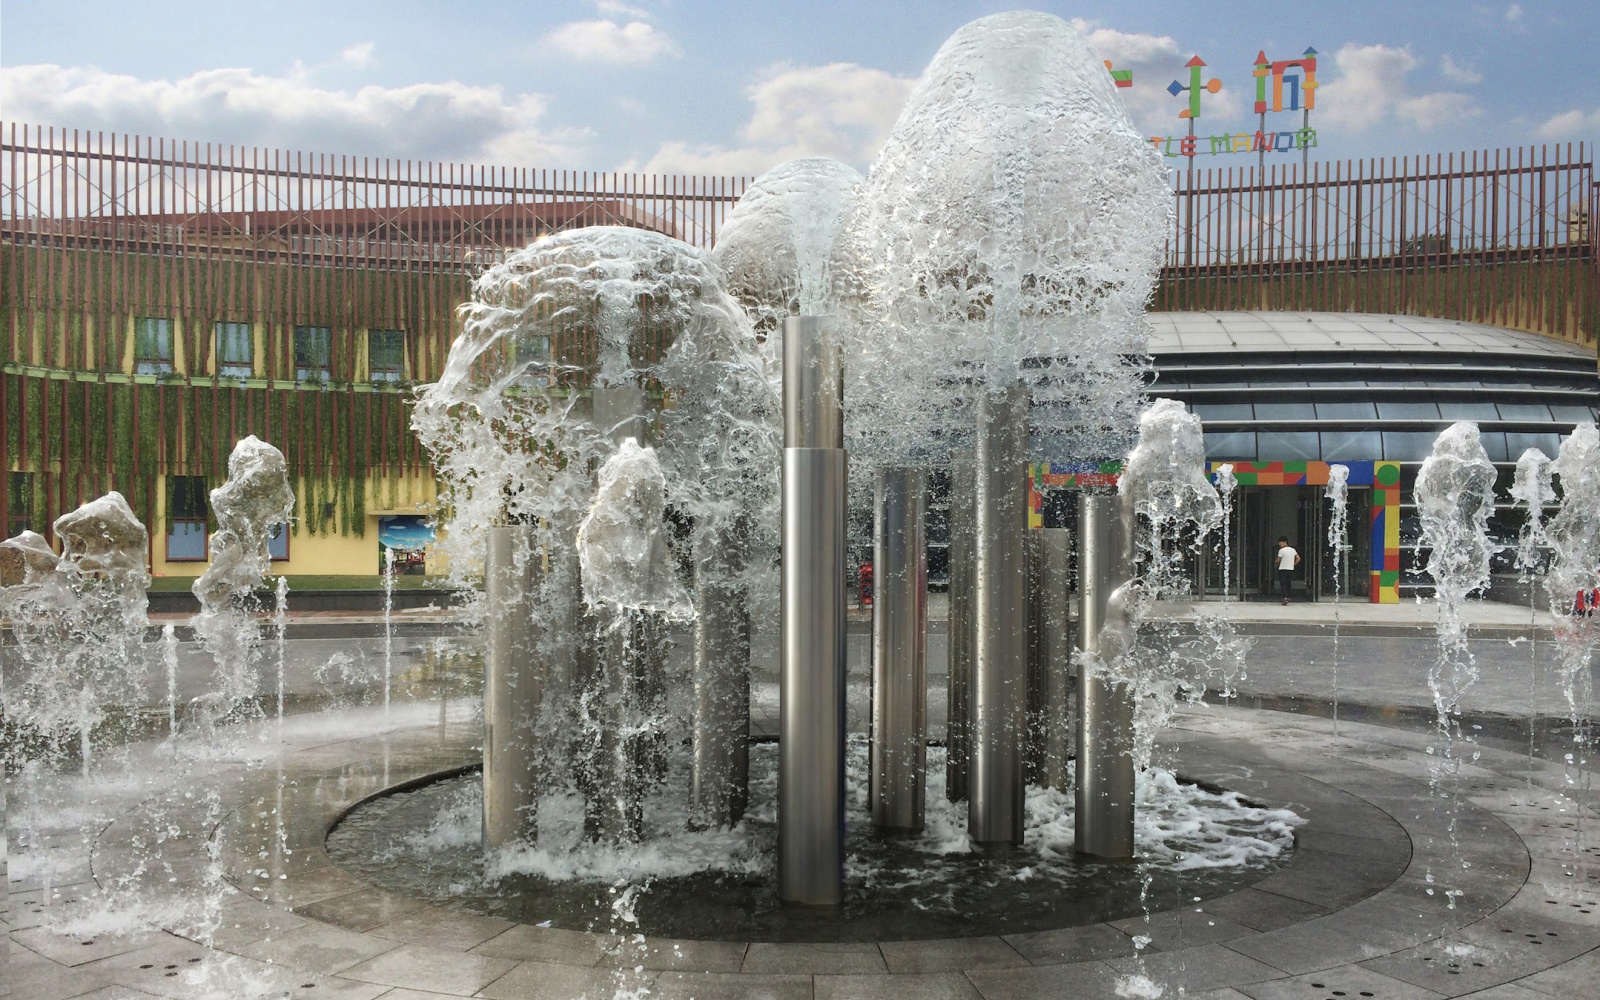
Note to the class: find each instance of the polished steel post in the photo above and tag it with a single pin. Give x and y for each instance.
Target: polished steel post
(958, 677)
(1055, 645)
(899, 739)
(720, 769)
(1104, 794)
(511, 688)
(1033, 741)
(1000, 642)
(811, 689)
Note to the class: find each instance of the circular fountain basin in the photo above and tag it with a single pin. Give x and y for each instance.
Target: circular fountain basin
(1197, 843)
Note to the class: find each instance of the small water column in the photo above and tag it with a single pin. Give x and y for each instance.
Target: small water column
(811, 691)
(1104, 795)
(1000, 632)
(1054, 651)
(899, 765)
(720, 768)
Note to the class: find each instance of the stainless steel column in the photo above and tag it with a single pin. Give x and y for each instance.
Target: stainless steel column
(1000, 643)
(1055, 648)
(720, 778)
(958, 733)
(511, 688)
(811, 685)
(1104, 796)
(899, 756)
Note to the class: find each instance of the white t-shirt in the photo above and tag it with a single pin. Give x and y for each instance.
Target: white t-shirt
(1286, 557)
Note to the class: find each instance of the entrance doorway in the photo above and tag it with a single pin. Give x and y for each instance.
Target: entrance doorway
(1263, 514)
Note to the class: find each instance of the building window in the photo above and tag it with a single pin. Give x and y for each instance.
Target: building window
(186, 518)
(313, 353)
(235, 350)
(386, 355)
(19, 503)
(152, 345)
(278, 542)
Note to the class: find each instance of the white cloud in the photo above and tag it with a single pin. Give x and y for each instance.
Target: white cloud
(609, 42)
(359, 54)
(424, 121)
(1156, 61)
(1571, 124)
(1463, 73)
(1514, 13)
(614, 8)
(841, 110)
(1371, 88)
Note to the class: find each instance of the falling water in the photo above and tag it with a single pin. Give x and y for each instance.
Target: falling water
(1455, 496)
(388, 626)
(1226, 484)
(169, 657)
(1534, 489)
(280, 622)
(1338, 492)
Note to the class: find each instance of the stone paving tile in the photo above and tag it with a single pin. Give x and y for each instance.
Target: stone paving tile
(849, 958)
(1079, 981)
(1262, 911)
(951, 955)
(930, 986)
(1307, 947)
(1395, 850)
(1509, 991)
(35, 977)
(1071, 944)
(1465, 964)
(361, 911)
(732, 986)
(543, 944)
(1350, 981)
(443, 928)
(1569, 979)
(674, 954)
(300, 890)
(128, 993)
(319, 948)
(1205, 967)
(435, 969)
(75, 950)
(549, 981)
(1182, 928)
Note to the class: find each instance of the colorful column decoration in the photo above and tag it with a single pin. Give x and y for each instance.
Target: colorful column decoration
(1194, 88)
(1385, 587)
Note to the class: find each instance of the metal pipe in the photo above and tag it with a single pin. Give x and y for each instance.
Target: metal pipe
(720, 770)
(1104, 794)
(1055, 656)
(899, 738)
(1033, 739)
(511, 688)
(1000, 642)
(958, 733)
(811, 690)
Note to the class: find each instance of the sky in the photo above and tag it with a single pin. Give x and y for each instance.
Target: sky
(736, 88)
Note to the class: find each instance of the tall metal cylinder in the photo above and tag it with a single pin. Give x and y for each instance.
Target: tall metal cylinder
(958, 678)
(1000, 641)
(1033, 741)
(511, 688)
(1104, 794)
(720, 770)
(1055, 645)
(811, 690)
(899, 744)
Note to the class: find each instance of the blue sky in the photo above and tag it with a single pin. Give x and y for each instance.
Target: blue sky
(736, 88)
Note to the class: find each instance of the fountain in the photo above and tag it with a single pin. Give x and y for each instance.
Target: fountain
(646, 453)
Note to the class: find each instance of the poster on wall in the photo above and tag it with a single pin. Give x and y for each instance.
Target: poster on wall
(404, 538)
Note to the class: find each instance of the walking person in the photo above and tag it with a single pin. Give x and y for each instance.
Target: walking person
(1288, 559)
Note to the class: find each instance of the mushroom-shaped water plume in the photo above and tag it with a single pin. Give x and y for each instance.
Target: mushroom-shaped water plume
(560, 346)
(1009, 231)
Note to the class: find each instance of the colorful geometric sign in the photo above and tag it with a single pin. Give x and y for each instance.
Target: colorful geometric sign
(1194, 88)
(1302, 89)
(1065, 475)
(1121, 77)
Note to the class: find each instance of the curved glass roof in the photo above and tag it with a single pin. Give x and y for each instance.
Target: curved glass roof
(1325, 332)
